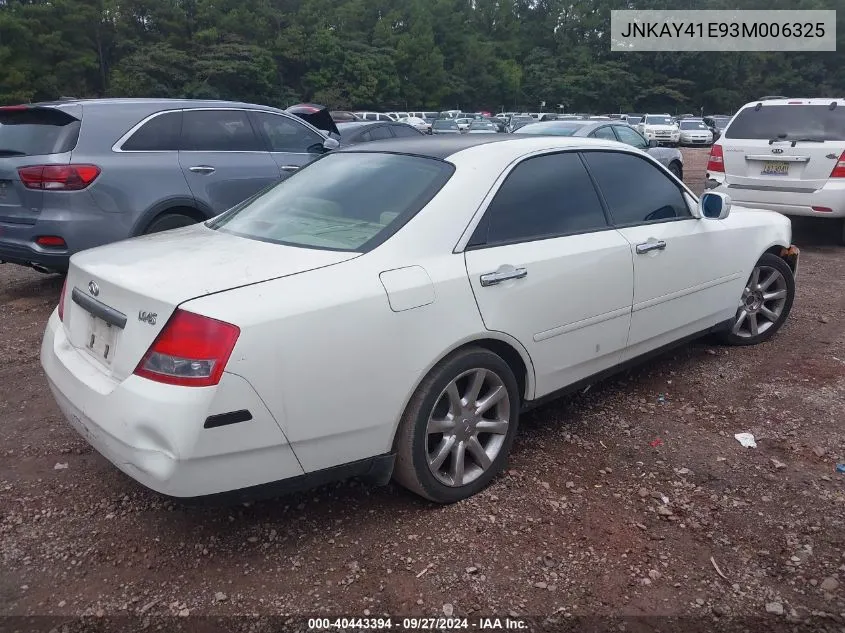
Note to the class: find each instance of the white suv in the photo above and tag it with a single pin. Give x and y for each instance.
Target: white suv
(661, 128)
(785, 155)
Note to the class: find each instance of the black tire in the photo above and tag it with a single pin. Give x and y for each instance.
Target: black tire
(412, 442)
(169, 221)
(767, 261)
(842, 232)
(676, 170)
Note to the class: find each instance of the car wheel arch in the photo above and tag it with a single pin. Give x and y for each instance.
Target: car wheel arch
(179, 206)
(777, 250)
(508, 348)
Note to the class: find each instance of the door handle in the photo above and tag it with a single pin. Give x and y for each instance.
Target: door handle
(202, 169)
(503, 274)
(651, 245)
(289, 167)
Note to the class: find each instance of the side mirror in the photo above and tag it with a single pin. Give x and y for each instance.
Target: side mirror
(653, 143)
(714, 206)
(326, 146)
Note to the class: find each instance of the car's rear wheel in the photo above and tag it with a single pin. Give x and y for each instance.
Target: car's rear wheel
(458, 429)
(764, 304)
(169, 221)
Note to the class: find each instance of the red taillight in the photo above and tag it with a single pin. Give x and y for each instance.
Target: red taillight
(14, 108)
(717, 159)
(823, 209)
(53, 241)
(839, 168)
(191, 351)
(62, 301)
(58, 177)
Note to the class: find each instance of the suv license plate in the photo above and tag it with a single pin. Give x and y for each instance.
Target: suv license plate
(775, 168)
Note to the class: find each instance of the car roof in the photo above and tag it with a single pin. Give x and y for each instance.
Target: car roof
(508, 147)
(795, 101)
(357, 125)
(164, 104)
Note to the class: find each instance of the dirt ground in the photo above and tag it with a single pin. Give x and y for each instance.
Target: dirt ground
(632, 499)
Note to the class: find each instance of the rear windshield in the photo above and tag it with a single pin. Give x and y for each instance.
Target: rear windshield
(333, 205)
(693, 125)
(36, 132)
(445, 124)
(552, 128)
(790, 122)
(482, 125)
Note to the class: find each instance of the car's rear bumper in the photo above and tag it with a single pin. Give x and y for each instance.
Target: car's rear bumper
(156, 433)
(827, 202)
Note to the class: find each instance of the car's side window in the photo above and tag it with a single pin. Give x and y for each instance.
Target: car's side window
(604, 132)
(404, 131)
(219, 131)
(159, 134)
(284, 134)
(542, 197)
(636, 191)
(380, 132)
(630, 136)
(363, 137)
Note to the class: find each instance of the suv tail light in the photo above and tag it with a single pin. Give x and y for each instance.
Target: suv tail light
(717, 159)
(191, 351)
(839, 168)
(58, 177)
(62, 301)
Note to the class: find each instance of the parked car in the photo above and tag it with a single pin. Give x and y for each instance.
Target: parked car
(785, 155)
(716, 123)
(366, 131)
(373, 116)
(420, 124)
(81, 173)
(343, 115)
(661, 128)
(463, 123)
(517, 122)
(611, 131)
(244, 373)
(483, 126)
(445, 126)
(634, 119)
(695, 132)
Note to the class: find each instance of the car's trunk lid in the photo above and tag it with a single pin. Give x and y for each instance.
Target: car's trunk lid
(32, 135)
(125, 292)
(784, 147)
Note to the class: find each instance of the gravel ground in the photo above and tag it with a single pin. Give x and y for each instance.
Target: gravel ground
(631, 499)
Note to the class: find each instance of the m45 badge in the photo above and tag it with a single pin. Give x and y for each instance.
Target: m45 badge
(147, 317)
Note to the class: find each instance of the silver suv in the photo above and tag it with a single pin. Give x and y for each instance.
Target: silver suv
(80, 173)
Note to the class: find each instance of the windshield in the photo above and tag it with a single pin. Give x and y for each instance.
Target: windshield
(721, 122)
(693, 125)
(790, 122)
(658, 120)
(552, 128)
(445, 124)
(333, 205)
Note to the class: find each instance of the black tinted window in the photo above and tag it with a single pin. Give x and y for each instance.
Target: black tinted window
(405, 130)
(36, 131)
(635, 190)
(543, 197)
(219, 131)
(284, 134)
(815, 122)
(380, 132)
(604, 132)
(160, 133)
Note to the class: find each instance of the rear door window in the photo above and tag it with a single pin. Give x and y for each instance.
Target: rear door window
(789, 122)
(405, 130)
(161, 133)
(219, 131)
(283, 134)
(37, 131)
(380, 132)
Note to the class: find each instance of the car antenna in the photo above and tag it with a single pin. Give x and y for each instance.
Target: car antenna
(832, 105)
(758, 106)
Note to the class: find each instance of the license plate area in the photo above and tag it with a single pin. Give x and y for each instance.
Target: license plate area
(101, 341)
(775, 168)
(5, 185)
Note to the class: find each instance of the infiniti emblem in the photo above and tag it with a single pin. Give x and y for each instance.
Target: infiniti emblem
(777, 150)
(93, 288)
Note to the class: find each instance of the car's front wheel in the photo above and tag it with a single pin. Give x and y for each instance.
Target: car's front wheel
(458, 428)
(764, 304)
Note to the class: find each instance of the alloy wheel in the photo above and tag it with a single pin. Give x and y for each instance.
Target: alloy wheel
(467, 427)
(762, 302)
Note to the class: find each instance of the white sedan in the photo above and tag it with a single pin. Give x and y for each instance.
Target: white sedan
(392, 308)
(421, 124)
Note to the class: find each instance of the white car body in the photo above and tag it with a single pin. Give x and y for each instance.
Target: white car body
(463, 123)
(698, 135)
(333, 344)
(421, 124)
(664, 133)
(812, 182)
